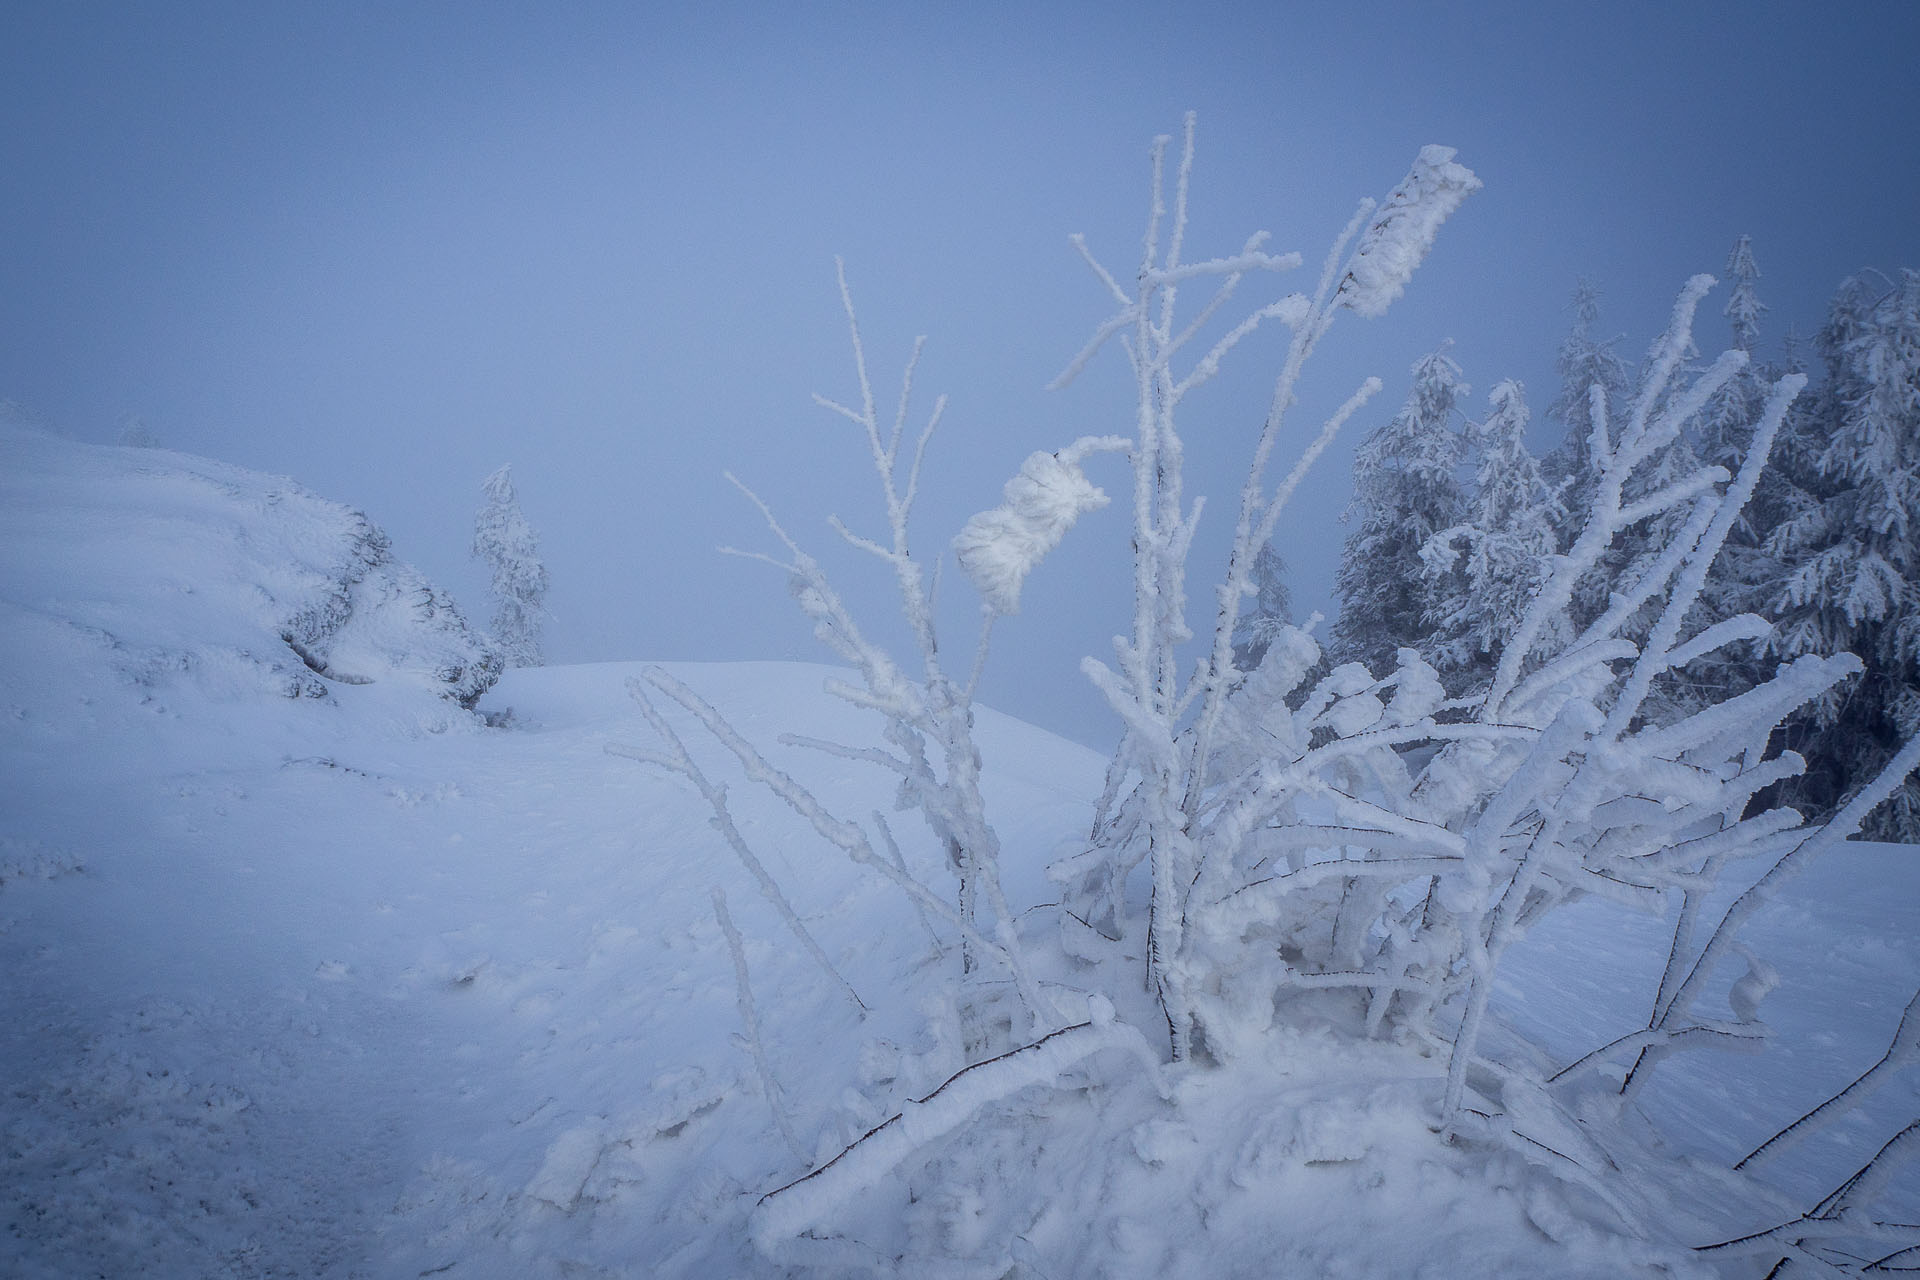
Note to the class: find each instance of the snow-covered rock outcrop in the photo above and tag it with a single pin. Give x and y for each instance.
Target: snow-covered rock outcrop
(173, 570)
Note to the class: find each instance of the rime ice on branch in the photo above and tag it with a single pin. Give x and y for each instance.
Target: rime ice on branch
(1401, 234)
(1171, 719)
(1342, 845)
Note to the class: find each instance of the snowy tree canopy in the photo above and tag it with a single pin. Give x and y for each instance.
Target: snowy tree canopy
(1481, 573)
(1405, 490)
(1586, 363)
(1851, 545)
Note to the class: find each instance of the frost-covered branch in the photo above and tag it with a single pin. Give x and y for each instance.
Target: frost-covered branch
(750, 1020)
(1903, 1052)
(851, 838)
(789, 1210)
(1839, 1219)
(1843, 825)
(676, 759)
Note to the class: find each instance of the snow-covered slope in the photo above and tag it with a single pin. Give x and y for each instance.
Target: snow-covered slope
(180, 573)
(360, 986)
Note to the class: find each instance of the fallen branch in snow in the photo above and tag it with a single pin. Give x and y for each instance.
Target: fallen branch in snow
(1835, 1219)
(1839, 828)
(787, 1211)
(1904, 1050)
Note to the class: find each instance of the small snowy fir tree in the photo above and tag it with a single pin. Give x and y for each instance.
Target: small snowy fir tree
(1744, 308)
(1481, 573)
(506, 542)
(1584, 364)
(1272, 609)
(1727, 425)
(1852, 549)
(1746, 577)
(134, 433)
(1405, 490)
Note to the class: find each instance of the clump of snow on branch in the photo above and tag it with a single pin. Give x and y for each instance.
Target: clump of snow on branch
(1398, 238)
(998, 548)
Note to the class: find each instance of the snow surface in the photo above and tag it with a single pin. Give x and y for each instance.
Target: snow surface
(356, 985)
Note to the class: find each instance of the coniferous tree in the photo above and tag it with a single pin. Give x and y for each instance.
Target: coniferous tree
(1634, 550)
(1272, 609)
(1585, 362)
(1405, 490)
(506, 542)
(135, 434)
(1745, 577)
(1744, 308)
(1586, 365)
(1726, 428)
(1481, 573)
(1852, 549)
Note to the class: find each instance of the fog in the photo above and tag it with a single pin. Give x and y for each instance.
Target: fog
(384, 249)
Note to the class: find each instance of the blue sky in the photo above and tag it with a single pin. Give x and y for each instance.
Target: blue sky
(385, 248)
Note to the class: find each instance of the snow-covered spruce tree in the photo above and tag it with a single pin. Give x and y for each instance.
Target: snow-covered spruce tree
(1406, 488)
(1272, 609)
(1737, 580)
(1481, 573)
(1851, 548)
(506, 542)
(1594, 385)
(1745, 579)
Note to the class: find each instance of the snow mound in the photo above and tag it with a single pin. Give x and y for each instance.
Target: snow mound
(173, 571)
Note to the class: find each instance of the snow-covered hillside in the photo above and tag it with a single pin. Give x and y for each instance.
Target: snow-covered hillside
(220, 583)
(357, 985)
